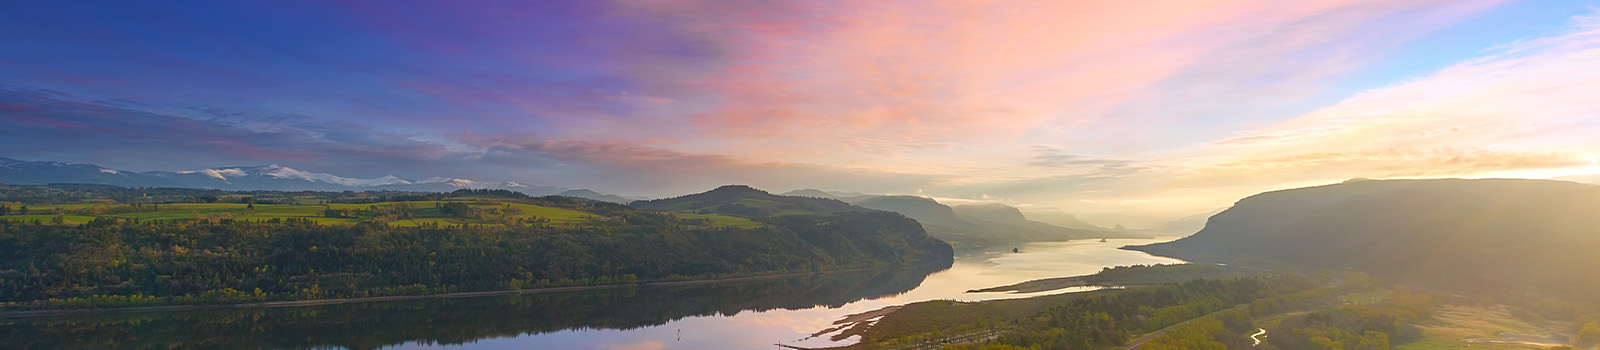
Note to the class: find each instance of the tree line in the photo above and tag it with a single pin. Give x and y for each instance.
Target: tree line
(118, 263)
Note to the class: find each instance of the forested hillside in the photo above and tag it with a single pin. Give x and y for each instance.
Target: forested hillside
(744, 201)
(453, 321)
(485, 242)
(1470, 236)
(976, 227)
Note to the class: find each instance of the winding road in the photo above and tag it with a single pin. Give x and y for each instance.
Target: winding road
(1140, 342)
(1337, 282)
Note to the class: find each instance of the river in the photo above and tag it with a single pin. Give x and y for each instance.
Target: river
(741, 315)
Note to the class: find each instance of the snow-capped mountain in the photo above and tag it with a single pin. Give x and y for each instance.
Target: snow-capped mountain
(226, 174)
(14, 171)
(266, 177)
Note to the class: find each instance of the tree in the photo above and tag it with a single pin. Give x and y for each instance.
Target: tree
(1374, 341)
(1577, 325)
(1589, 336)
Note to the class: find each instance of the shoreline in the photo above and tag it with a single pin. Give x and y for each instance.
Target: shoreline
(318, 302)
(1041, 285)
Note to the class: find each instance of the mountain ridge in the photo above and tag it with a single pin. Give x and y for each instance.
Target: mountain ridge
(985, 226)
(746, 201)
(1483, 235)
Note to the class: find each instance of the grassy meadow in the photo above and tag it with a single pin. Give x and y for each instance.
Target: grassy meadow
(1453, 325)
(487, 211)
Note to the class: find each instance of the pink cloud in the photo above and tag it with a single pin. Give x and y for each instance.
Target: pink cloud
(971, 71)
(636, 168)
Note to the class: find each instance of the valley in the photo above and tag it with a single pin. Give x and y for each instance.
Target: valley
(1238, 292)
(800, 175)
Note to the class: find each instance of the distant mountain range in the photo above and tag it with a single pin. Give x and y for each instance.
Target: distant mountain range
(264, 177)
(1584, 178)
(586, 193)
(1477, 236)
(968, 226)
(973, 226)
(816, 193)
(1058, 218)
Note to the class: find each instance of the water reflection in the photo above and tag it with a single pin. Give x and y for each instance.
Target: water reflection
(452, 321)
(743, 315)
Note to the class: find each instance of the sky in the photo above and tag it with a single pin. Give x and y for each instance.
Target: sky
(1125, 111)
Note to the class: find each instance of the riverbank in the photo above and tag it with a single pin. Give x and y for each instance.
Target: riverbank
(1127, 276)
(1039, 285)
(315, 302)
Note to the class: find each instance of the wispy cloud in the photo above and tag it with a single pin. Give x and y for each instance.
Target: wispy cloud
(635, 168)
(56, 126)
(1097, 106)
(982, 73)
(1516, 111)
(1516, 108)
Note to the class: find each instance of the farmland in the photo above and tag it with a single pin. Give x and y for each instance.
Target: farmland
(444, 211)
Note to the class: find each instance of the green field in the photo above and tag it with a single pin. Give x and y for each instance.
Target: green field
(45, 219)
(1368, 297)
(421, 213)
(424, 212)
(1452, 325)
(721, 220)
(49, 207)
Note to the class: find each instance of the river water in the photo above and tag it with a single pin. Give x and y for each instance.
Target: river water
(742, 315)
